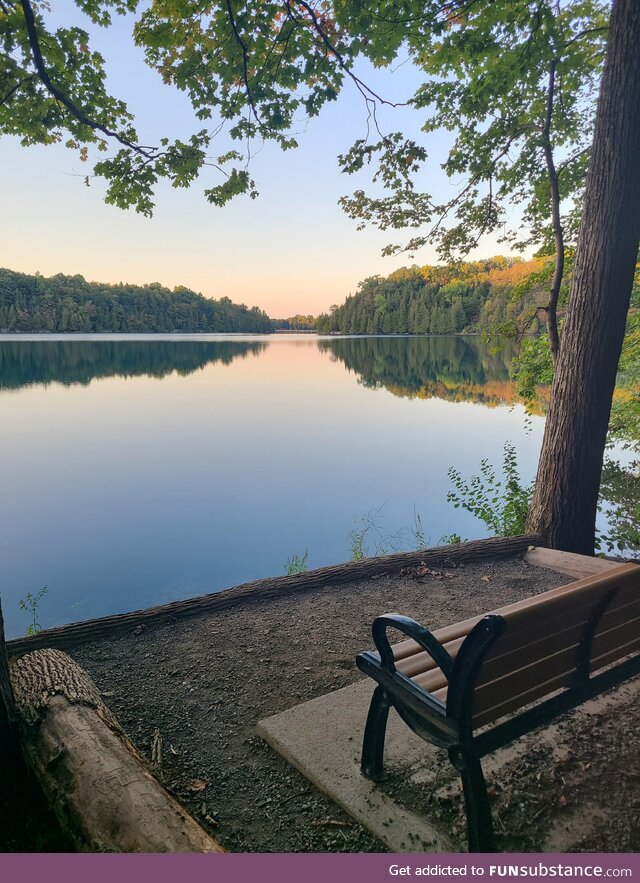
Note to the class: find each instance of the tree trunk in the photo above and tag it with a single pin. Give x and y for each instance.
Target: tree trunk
(98, 786)
(8, 741)
(564, 504)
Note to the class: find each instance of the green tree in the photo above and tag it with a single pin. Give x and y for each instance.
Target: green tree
(565, 499)
(69, 303)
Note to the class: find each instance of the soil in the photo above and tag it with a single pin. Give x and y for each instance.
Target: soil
(205, 682)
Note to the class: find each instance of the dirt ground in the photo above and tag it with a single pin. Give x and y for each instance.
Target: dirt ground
(203, 683)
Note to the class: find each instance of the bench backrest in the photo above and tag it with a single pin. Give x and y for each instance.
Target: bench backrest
(596, 620)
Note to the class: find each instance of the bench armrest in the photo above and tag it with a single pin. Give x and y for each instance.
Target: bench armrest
(414, 630)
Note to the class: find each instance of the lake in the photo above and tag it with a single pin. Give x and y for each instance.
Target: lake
(140, 470)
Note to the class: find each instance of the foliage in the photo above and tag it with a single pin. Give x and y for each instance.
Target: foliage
(501, 503)
(297, 564)
(472, 296)
(30, 604)
(620, 484)
(487, 77)
(356, 537)
(620, 489)
(251, 71)
(532, 368)
(624, 425)
(451, 539)
(69, 303)
(297, 323)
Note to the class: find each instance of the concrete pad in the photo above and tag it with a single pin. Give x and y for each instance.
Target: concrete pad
(322, 738)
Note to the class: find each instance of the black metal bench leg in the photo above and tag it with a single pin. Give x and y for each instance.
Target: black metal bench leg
(374, 735)
(479, 824)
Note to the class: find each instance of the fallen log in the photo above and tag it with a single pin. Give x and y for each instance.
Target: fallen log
(99, 787)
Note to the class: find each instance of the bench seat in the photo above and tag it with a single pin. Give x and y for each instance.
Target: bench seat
(480, 683)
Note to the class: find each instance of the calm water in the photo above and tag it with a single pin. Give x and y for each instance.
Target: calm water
(136, 471)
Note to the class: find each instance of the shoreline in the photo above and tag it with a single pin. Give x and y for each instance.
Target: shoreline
(71, 634)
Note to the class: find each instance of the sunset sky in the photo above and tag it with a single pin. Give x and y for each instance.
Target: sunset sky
(290, 251)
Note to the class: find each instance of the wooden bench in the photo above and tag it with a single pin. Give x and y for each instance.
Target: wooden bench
(479, 684)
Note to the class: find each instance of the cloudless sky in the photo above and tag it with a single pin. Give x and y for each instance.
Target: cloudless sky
(290, 251)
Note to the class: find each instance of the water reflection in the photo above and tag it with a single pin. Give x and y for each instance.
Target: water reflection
(449, 368)
(34, 362)
(133, 491)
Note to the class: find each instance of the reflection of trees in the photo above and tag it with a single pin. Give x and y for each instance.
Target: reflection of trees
(452, 368)
(27, 363)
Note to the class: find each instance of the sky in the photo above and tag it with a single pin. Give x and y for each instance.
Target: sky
(290, 251)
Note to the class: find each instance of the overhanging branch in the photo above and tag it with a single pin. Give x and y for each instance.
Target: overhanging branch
(59, 94)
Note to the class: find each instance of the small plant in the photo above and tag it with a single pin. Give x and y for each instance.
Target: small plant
(356, 538)
(450, 539)
(420, 539)
(367, 527)
(297, 564)
(501, 504)
(30, 604)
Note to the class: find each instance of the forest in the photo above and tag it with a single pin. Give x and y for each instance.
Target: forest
(470, 296)
(71, 304)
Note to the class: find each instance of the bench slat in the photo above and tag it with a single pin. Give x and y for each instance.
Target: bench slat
(513, 703)
(616, 654)
(407, 648)
(558, 632)
(421, 662)
(614, 638)
(431, 680)
(545, 647)
(537, 654)
(540, 609)
(610, 645)
(532, 645)
(444, 635)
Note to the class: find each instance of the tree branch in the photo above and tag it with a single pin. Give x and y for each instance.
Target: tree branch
(59, 95)
(558, 232)
(245, 58)
(15, 89)
(362, 87)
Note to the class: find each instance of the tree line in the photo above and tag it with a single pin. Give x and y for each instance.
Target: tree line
(71, 304)
(468, 297)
